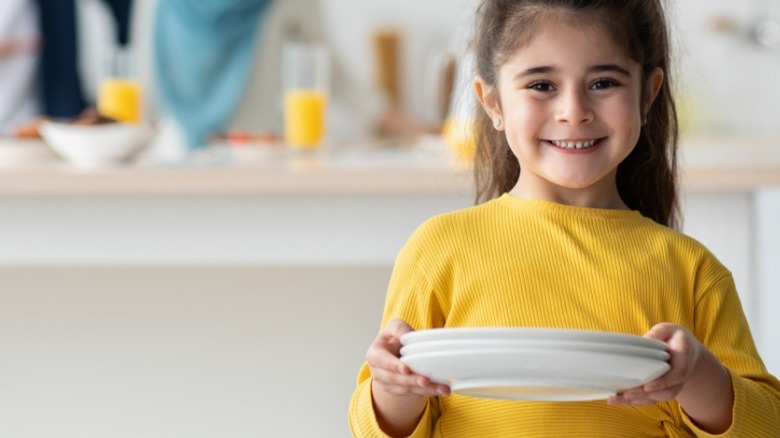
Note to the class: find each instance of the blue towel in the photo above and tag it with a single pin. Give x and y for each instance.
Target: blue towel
(203, 54)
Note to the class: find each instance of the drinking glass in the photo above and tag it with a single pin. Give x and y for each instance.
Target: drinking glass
(306, 73)
(119, 90)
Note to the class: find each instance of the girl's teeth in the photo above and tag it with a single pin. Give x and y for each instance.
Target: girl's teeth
(574, 144)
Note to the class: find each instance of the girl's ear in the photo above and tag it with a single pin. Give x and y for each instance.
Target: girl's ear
(487, 98)
(654, 82)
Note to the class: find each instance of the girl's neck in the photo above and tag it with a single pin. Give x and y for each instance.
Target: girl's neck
(604, 195)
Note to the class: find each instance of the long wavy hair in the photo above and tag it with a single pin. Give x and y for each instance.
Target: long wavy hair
(647, 178)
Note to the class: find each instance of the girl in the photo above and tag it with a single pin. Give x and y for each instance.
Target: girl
(576, 163)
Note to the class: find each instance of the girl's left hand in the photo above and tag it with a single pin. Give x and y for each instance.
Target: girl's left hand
(684, 351)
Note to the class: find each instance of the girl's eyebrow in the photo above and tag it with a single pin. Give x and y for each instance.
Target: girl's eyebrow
(595, 69)
(611, 68)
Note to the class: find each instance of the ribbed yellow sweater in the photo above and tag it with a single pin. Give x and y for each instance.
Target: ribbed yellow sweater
(521, 263)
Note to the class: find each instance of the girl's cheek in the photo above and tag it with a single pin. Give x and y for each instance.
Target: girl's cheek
(532, 116)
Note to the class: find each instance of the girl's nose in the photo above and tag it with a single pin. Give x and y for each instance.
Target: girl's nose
(574, 108)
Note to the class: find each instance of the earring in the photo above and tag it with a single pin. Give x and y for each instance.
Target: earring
(497, 122)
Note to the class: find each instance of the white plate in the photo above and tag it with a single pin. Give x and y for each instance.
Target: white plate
(614, 371)
(534, 389)
(551, 344)
(521, 333)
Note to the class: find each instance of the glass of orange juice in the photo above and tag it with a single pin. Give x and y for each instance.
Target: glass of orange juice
(119, 90)
(306, 73)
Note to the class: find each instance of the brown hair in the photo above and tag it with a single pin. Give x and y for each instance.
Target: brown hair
(647, 178)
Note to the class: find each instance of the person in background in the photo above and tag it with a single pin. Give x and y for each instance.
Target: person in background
(55, 82)
(215, 67)
(63, 96)
(576, 168)
(19, 55)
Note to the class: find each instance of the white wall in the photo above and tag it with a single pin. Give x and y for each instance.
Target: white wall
(728, 82)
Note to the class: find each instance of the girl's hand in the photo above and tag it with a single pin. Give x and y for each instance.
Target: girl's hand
(685, 352)
(399, 395)
(392, 376)
(697, 380)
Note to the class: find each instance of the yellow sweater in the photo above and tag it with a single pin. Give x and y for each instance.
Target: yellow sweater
(520, 263)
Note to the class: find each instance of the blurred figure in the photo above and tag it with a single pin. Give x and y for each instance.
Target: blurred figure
(63, 96)
(203, 54)
(216, 67)
(39, 62)
(19, 51)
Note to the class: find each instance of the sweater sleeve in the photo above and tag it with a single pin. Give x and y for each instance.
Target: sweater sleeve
(720, 324)
(362, 418)
(410, 297)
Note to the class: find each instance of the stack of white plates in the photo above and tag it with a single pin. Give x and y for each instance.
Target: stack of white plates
(534, 364)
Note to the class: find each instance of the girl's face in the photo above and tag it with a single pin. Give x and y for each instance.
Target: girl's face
(570, 105)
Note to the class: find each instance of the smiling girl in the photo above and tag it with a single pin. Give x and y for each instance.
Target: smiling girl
(576, 170)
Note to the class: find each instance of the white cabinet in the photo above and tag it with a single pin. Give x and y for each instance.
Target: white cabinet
(767, 270)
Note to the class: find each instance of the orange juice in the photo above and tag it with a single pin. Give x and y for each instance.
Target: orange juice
(120, 99)
(304, 118)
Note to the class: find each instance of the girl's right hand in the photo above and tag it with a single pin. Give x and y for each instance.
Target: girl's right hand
(392, 376)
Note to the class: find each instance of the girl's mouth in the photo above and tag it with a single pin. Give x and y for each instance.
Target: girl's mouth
(576, 144)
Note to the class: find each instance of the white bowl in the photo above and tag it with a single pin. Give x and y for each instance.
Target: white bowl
(96, 145)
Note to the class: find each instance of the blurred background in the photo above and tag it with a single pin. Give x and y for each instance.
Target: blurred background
(231, 288)
(726, 52)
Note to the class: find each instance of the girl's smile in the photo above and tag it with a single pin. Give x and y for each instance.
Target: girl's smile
(576, 146)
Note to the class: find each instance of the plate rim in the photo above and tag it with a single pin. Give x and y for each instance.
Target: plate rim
(535, 332)
(541, 344)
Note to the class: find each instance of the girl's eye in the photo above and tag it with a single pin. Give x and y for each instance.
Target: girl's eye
(541, 86)
(603, 84)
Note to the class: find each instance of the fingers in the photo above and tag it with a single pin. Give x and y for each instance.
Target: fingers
(386, 348)
(666, 394)
(664, 331)
(670, 334)
(387, 370)
(382, 354)
(640, 396)
(411, 384)
(398, 328)
(388, 341)
(683, 349)
(390, 338)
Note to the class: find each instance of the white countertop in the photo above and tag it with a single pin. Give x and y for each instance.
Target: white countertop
(707, 164)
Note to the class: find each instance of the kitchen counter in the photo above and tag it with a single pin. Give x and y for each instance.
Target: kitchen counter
(354, 204)
(259, 169)
(707, 165)
(729, 164)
